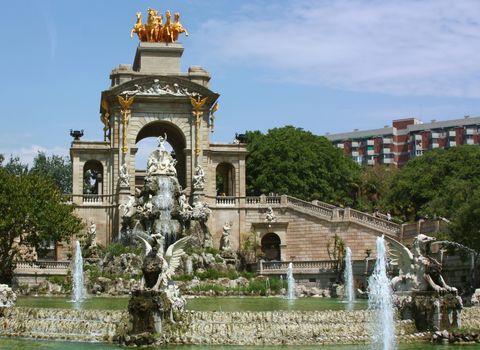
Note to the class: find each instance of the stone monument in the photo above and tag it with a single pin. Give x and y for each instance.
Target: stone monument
(420, 290)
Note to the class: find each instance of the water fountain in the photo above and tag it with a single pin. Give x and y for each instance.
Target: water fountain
(348, 277)
(78, 287)
(380, 302)
(290, 283)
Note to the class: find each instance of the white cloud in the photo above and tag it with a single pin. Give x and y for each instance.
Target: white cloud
(27, 154)
(404, 47)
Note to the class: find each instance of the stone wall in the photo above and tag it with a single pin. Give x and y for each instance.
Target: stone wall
(278, 328)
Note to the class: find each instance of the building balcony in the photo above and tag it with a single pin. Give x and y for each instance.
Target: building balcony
(354, 153)
(418, 137)
(387, 140)
(386, 150)
(387, 160)
(340, 145)
(469, 142)
(356, 144)
(371, 162)
(370, 152)
(435, 145)
(452, 133)
(452, 143)
(470, 131)
(370, 142)
(437, 135)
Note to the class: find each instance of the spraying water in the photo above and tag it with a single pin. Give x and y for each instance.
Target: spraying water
(290, 283)
(78, 284)
(380, 303)
(348, 276)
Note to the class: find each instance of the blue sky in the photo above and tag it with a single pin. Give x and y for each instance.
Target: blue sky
(325, 66)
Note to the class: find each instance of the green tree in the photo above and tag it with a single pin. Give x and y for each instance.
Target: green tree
(58, 168)
(32, 211)
(14, 166)
(375, 182)
(435, 184)
(293, 161)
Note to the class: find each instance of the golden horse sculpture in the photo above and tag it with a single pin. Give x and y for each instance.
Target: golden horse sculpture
(155, 31)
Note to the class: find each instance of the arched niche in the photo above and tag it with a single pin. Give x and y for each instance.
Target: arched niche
(93, 177)
(225, 179)
(175, 138)
(271, 246)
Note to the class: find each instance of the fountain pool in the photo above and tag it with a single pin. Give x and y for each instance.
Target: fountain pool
(24, 344)
(203, 304)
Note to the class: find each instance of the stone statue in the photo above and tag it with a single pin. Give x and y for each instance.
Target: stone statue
(225, 240)
(417, 270)
(158, 268)
(199, 178)
(160, 161)
(92, 234)
(124, 178)
(200, 211)
(129, 208)
(184, 208)
(270, 216)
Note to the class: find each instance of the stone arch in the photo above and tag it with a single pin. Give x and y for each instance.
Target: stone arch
(175, 137)
(271, 246)
(225, 179)
(93, 177)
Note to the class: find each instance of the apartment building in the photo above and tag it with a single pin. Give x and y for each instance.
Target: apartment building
(406, 139)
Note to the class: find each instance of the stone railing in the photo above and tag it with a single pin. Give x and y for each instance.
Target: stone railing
(372, 221)
(280, 267)
(90, 199)
(315, 208)
(226, 201)
(42, 267)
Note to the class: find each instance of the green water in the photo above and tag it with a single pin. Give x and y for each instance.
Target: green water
(16, 344)
(94, 303)
(202, 304)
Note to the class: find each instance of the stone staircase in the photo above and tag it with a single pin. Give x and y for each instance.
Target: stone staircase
(63, 324)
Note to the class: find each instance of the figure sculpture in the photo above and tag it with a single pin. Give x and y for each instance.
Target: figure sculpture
(270, 216)
(199, 178)
(225, 240)
(155, 31)
(92, 234)
(417, 270)
(158, 268)
(124, 178)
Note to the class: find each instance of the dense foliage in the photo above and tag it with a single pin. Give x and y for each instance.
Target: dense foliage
(295, 162)
(375, 182)
(438, 183)
(31, 212)
(55, 167)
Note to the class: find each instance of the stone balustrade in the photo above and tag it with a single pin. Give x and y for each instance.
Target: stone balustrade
(90, 199)
(280, 267)
(226, 201)
(42, 267)
(317, 208)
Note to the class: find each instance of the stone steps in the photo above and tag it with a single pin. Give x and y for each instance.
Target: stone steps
(63, 324)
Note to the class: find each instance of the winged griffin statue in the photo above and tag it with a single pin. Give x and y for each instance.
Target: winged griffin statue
(159, 267)
(417, 270)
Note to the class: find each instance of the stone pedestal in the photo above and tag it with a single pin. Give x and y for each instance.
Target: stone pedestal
(146, 315)
(158, 58)
(429, 310)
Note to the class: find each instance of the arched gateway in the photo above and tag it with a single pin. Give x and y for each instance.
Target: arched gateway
(154, 98)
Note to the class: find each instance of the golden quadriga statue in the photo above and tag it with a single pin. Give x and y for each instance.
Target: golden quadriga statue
(155, 31)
